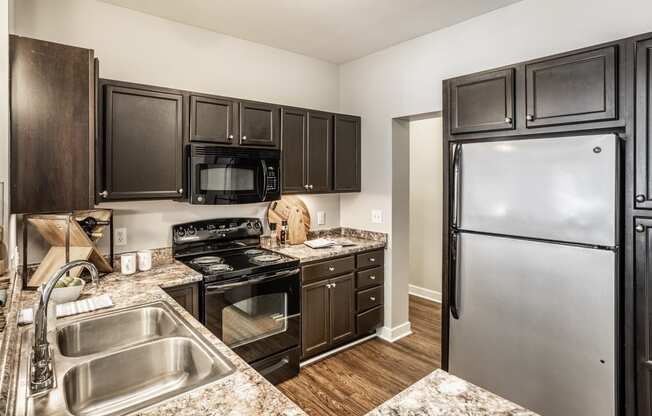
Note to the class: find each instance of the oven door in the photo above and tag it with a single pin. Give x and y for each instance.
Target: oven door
(231, 176)
(256, 316)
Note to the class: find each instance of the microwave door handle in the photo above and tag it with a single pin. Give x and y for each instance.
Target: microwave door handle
(264, 167)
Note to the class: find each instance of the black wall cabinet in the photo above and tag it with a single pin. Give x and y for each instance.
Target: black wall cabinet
(319, 152)
(576, 88)
(143, 142)
(259, 124)
(212, 119)
(482, 102)
(347, 154)
(643, 179)
(294, 137)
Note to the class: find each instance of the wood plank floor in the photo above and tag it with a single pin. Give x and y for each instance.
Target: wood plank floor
(357, 380)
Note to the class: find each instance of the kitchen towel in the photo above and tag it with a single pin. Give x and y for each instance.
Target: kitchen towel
(26, 316)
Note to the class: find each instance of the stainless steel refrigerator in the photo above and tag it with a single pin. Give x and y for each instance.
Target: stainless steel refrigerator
(533, 271)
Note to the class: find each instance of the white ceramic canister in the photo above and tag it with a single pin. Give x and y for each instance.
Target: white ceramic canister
(144, 260)
(128, 263)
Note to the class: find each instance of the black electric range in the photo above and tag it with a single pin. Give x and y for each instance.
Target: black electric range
(250, 296)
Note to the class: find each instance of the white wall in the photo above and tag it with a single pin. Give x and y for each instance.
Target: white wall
(425, 205)
(406, 79)
(141, 48)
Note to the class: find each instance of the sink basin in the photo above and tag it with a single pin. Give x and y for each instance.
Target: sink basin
(148, 373)
(119, 362)
(108, 332)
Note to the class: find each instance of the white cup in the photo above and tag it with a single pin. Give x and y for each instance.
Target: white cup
(128, 263)
(144, 260)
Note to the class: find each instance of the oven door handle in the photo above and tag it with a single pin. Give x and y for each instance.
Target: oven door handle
(228, 286)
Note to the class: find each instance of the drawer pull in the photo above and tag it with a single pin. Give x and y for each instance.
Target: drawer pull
(331, 268)
(328, 286)
(372, 277)
(334, 284)
(372, 259)
(373, 299)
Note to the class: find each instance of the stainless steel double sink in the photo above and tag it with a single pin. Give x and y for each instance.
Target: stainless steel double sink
(119, 362)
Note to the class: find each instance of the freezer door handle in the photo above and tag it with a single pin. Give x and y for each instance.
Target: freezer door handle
(457, 161)
(453, 301)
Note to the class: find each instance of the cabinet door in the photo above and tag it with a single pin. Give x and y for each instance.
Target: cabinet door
(52, 127)
(643, 192)
(482, 102)
(259, 124)
(342, 300)
(143, 158)
(576, 88)
(187, 296)
(315, 318)
(319, 152)
(212, 119)
(643, 302)
(347, 154)
(293, 144)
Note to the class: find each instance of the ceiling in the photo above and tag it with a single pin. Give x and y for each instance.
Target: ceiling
(337, 31)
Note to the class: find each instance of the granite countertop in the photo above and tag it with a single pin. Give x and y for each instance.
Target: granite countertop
(441, 393)
(306, 254)
(245, 392)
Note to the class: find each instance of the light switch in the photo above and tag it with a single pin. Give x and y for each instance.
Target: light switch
(377, 216)
(321, 218)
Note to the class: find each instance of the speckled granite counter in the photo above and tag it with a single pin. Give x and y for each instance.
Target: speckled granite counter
(244, 392)
(363, 240)
(440, 393)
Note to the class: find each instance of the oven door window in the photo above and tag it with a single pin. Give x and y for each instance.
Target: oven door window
(255, 318)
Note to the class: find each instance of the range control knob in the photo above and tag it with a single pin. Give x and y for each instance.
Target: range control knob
(249, 225)
(180, 232)
(191, 231)
(257, 225)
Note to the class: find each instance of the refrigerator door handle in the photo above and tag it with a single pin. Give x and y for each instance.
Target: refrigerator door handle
(457, 161)
(453, 301)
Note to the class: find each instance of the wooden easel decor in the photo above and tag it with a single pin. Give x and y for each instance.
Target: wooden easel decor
(68, 241)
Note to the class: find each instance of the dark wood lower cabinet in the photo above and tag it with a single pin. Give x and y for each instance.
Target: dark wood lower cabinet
(187, 296)
(342, 308)
(335, 307)
(643, 302)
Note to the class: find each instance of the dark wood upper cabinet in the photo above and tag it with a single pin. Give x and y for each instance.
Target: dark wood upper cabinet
(482, 102)
(347, 154)
(143, 128)
(212, 119)
(294, 136)
(643, 302)
(643, 158)
(342, 307)
(52, 126)
(319, 162)
(576, 88)
(259, 124)
(315, 318)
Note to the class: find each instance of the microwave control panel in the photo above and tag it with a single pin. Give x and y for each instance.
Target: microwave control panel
(272, 179)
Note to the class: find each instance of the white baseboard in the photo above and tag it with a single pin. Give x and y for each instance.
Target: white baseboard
(422, 292)
(396, 333)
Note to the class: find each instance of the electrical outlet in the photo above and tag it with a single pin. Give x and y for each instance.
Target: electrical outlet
(376, 216)
(321, 218)
(120, 238)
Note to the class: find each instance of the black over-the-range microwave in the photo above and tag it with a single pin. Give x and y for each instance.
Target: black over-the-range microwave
(220, 175)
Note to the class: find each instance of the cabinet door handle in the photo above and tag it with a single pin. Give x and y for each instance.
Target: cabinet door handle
(373, 299)
(104, 194)
(306, 186)
(640, 228)
(230, 137)
(328, 286)
(372, 259)
(244, 138)
(372, 277)
(530, 117)
(334, 284)
(310, 187)
(180, 190)
(331, 268)
(508, 120)
(640, 198)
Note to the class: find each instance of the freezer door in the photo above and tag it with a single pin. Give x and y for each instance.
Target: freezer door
(536, 324)
(561, 189)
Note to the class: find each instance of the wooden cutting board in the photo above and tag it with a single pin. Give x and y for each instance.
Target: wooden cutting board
(293, 210)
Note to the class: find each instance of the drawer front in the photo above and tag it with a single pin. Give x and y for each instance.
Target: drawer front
(326, 269)
(373, 258)
(369, 298)
(370, 278)
(368, 321)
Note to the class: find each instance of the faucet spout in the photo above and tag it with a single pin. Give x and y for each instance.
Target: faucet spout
(42, 373)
